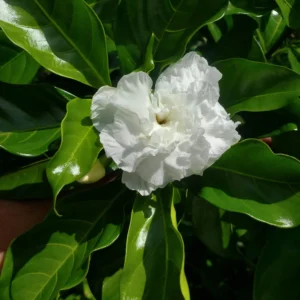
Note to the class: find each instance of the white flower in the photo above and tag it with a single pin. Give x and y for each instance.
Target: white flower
(176, 131)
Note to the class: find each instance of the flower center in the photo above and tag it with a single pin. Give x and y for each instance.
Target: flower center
(162, 117)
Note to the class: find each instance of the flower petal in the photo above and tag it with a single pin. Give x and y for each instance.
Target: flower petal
(134, 182)
(191, 74)
(102, 109)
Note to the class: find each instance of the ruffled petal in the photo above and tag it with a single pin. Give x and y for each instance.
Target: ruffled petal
(102, 109)
(134, 182)
(191, 74)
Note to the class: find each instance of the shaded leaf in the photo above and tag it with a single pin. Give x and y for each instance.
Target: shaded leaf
(16, 65)
(30, 117)
(254, 86)
(257, 7)
(154, 263)
(69, 42)
(79, 148)
(172, 23)
(61, 246)
(277, 273)
(27, 183)
(264, 186)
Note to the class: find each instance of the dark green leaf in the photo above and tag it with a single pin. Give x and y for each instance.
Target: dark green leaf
(16, 65)
(278, 271)
(264, 186)
(69, 42)
(256, 7)
(154, 263)
(254, 86)
(287, 143)
(209, 227)
(60, 247)
(30, 117)
(173, 24)
(290, 10)
(27, 183)
(79, 148)
(237, 42)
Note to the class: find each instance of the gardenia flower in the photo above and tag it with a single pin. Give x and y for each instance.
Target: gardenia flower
(159, 136)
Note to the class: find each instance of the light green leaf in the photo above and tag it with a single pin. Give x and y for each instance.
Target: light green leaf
(29, 143)
(273, 27)
(254, 86)
(60, 247)
(79, 148)
(173, 25)
(27, 183)
(69, 42)
(290, 10)
(111, 287)
(16, 65)
(277, 273)
(154, 263)
(264, 186)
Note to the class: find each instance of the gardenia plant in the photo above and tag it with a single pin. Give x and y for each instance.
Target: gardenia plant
(164, 138)
(176, 131)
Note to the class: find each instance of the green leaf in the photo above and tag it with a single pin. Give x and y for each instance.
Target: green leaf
(290, 10)
(287, 143)
(154, 263)
(264, 186)
(237, 42)
(210, 229)
(27, 183)
(277, 273)
(79, 148)
(254, 86)
(257, 7)
(30, 117)
(173, 25)
(60, 247)
(16, 65)
(293, 57)
(29, 143)
(111, 287)
(69, 42)
(272, 29)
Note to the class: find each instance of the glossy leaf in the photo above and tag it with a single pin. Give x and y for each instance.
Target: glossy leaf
(254, 86)
(264, 186)
(277, 273)
(274, 27)
(290, 10)
(16, 65)
(60, 249)
(27, 183)
(173, 23)
(69, 42)
(79, 148)
(154, 263)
